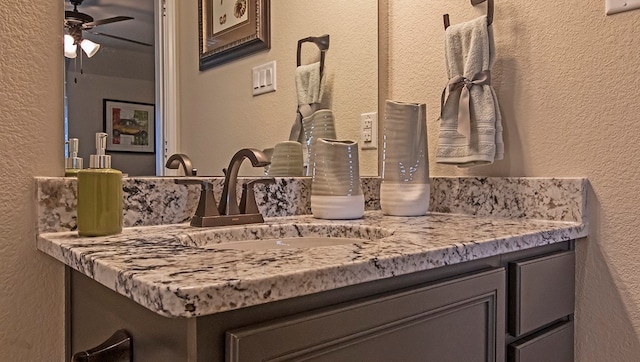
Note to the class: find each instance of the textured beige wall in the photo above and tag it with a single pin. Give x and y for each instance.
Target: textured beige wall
(219, 115)
(566, 77)
(31, 136)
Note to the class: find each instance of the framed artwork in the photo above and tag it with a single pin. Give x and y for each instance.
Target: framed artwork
(130, 126)
(230, 29)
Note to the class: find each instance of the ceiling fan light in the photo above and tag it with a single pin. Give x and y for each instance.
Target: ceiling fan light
(70, 48)
(90, 48)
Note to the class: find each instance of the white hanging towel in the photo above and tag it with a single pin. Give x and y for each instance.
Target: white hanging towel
(309, 85)
(471, 125)
(309, 90)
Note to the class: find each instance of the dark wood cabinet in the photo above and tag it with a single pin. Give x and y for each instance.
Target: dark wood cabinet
(455, 320)
(511, 307)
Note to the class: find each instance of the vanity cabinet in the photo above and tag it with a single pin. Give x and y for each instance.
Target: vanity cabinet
(514, 307)
(455, 320)
(541, 299)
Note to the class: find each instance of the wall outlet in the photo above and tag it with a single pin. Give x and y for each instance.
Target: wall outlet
(369, 131)
(264, 78)
(618, 6)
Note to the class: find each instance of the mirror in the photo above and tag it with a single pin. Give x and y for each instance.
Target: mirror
(123, 69)
(217, 113)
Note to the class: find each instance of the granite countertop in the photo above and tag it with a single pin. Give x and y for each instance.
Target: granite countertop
(149, 264)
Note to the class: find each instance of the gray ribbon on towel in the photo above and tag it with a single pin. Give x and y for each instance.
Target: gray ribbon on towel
(464, 108)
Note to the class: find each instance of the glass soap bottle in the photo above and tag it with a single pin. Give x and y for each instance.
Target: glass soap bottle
(99, 194)
(73, 163)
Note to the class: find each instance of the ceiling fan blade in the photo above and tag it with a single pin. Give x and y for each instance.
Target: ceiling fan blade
(76, 17)
(121, 38)
(105, 21)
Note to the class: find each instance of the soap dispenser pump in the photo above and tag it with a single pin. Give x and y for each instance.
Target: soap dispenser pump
(73, 163)
(99, 194)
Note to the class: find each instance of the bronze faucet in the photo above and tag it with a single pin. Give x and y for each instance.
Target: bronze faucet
(178, 159)
(228, 212)
(229, 201)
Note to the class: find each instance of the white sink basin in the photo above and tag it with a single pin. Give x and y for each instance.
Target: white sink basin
(281, 236)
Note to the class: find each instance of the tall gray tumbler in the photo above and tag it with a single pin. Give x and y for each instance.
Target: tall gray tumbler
(405, 161)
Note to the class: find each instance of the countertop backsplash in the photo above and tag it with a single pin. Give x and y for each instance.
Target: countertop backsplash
(159, 201)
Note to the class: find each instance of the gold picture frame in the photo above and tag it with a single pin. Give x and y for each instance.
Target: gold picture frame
(230, 29)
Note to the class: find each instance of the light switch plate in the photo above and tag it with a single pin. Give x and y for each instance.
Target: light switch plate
(618, 6)
(264, 78)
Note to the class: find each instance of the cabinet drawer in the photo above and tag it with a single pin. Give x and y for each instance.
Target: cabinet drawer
(456, 320)
(550, 345)
(541, 291)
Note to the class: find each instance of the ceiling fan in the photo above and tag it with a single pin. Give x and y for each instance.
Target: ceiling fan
(75, 22)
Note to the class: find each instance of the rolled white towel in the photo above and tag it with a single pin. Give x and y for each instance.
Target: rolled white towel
(471, 124)
(309, 85)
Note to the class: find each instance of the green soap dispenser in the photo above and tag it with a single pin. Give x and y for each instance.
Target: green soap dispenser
(99, 194)
(73, 163)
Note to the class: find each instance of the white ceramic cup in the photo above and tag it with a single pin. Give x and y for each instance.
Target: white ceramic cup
(320, 124)
(286, 159)
(336, 192)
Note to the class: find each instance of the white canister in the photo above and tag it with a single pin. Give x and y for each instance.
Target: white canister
(405, 189)
(336, 192)
(320, 124)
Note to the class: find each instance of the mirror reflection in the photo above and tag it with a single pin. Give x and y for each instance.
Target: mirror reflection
(217, 111)
(122, 69)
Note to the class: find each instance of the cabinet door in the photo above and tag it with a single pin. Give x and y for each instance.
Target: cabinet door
(455, 320)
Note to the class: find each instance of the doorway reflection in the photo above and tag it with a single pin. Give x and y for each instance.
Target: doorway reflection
(120, 70)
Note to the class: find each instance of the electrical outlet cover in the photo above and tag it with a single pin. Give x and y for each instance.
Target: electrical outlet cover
(369, 131)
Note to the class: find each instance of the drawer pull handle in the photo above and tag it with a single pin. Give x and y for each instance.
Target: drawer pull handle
(118, 348)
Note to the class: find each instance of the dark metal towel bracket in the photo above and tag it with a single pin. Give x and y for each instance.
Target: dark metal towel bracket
(445, 17)
(323, 44)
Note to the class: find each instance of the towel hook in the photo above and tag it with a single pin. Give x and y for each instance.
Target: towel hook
(323, 44)
(445, 17)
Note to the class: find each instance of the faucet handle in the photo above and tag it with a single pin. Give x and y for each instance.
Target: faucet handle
(207, 205)
(248, 199)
